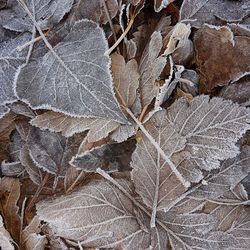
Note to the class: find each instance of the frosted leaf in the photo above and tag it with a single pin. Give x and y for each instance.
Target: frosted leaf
(150, 68)
(46, 12)
(206, 11)
(211, 127)
(10, 60)
(74, 78)
(50, 151)
(110, 157)
(58, 122)
(99, 215)
(153, 179)
(123, 132)
(5, 238)
(161, 4)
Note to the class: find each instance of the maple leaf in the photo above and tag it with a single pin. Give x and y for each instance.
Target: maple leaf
(75, 83)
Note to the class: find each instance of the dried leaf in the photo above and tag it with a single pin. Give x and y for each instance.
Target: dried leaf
(213, 43)
(50, 151)
(58, 122)
(161, 4)
(126, 78)
(22, 109)
(10, 60)
(47, 14)
(123, 132)
(75, 83)
(150, 68)
(9, 195)
(99, 215)
(5, 238)
(93, 10)
(211, 128)
(110, 157)
(207, 11)
(31, 238)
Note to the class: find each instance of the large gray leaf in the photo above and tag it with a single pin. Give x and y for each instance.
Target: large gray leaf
(10, 60)
(211, 128)
(74, 79)
(206, 11)
(46, 12)
(195, 231)
(98, 215)
(58, 122)
(153, 179)
(50, 151)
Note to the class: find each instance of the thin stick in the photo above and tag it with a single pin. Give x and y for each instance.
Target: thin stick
(21, 47)
(110, 22)
(22, 219)
(75, 182)
(159, 149)
(121, 37)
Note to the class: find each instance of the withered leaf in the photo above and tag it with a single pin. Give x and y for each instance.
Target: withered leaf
(74, 79)
(93, 10)
(5, 238)
(47, 14)
(98, 215)
(10, 60)
(110, 157)
(211, 128)
(208, 11)
(126, 78)
(58, 122)
(51, 151)
(214, 43)
(150, 68)
(9, 195)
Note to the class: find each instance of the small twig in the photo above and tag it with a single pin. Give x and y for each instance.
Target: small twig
(75, 182)
(21, 47)
(131, 21)
(22, 219)
(38, 191)
(110, 22)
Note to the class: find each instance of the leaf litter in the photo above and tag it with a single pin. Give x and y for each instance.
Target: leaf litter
(124, 124)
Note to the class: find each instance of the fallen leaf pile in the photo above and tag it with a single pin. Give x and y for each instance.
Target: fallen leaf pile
(124, 124)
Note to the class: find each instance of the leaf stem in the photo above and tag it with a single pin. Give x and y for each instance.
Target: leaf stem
(121, 37)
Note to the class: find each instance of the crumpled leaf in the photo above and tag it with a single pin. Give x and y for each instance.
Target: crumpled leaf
(74, 78)
(211, 128)
(230, 173)
(47, 13)
(9, 195)
(150, 68)
(5, 238)
(21, 109)
(110, 157)
(208, 11)
(126, 78)
(58, 122)
(93, 10)
(98, 214)
(50, 151)
(213, 43)
(10, 60)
